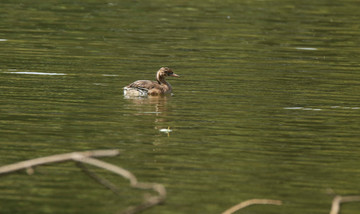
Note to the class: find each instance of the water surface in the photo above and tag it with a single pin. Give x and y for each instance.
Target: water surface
(267, 105)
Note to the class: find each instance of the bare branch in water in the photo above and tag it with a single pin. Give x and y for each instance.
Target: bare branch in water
(86, 157)
(99, 179)
(335, 207)
(149, 202)
(251, 202)
(28, 164)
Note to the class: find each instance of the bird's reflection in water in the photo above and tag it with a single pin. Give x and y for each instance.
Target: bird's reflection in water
(151, 105)
(148, 105)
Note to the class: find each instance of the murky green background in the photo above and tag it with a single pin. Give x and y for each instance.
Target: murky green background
(267, 105)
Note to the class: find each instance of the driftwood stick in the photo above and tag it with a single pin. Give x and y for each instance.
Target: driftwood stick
(110, 167)
(149, 202)
(98, 178)
(335, 207)
(251, 202)
(86, 157)
(55, 159)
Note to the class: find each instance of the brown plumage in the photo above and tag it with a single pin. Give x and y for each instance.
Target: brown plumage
(153, 88)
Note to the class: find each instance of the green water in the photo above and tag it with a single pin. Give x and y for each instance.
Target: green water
(267, 105)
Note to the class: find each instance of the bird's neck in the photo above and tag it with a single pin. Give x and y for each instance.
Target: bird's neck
(161, 80)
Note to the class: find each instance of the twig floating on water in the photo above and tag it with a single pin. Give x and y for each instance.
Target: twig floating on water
(86, 157)
(149, 202)
(99, 179)
(56, 159)
(335, 207)
(251, 202)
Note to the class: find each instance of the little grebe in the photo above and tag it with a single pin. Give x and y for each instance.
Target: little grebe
(148, 87)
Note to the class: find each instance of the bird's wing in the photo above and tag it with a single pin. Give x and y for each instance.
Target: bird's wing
(143, 84)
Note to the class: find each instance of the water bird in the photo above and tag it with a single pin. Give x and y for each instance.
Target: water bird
(153, 88)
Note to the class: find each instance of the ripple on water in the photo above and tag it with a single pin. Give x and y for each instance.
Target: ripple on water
(306, 48)
(34, 73)
(319, 109)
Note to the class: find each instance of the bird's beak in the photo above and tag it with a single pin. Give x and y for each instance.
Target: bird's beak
(174, 75)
